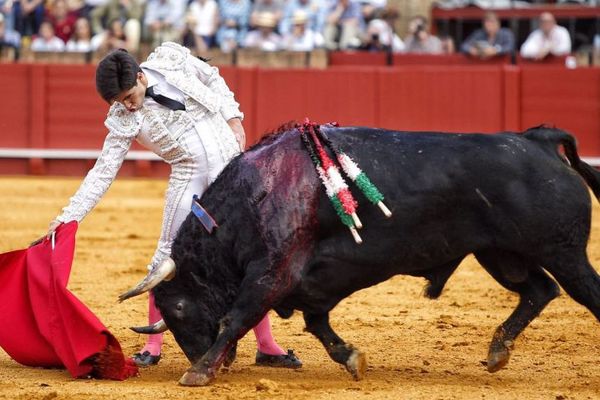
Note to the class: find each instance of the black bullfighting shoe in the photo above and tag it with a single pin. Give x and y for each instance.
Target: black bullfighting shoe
(288, 360)
(145, 359)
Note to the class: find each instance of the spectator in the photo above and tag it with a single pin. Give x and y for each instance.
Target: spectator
(128, 12)
(6, 9)
(8, 37)
(489, 41)
(274, 7)
(343, 25)
(29, 15)
(311, 8)
(47, 40)
(111, 39)
(75, 6)
(550, 38)
(372, 8)
(419, 40)
(203, 21)
(301, 37)
(81, 40)
(164, 20)
(264, 36)
(380, 33)
(62, 20)
(235, 17)
(89, 6)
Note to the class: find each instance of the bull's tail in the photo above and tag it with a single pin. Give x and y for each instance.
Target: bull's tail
(558, 137)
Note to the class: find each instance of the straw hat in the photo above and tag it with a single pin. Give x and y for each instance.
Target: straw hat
(265, 20)
(299, 17)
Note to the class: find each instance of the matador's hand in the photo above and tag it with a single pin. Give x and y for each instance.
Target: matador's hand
(52, 227)
(238, 130)
(54, 224)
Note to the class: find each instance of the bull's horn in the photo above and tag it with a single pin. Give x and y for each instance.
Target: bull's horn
(164, 271)
(157, 327)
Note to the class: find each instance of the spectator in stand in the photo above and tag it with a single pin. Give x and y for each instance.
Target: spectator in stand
(89, 6)
(343, 25)
(301, 37)
(165, 20)
(81, 40)
(6, 9)
(274, 7)
(419, 40)
(75, 6)
(311, 8)
(371, 9)
(380, 32)
(8, 37)
(264, 37)
(203, 21)
(235, 17)
(128, 12)
(29, 15)
(111, 39)
(491, 40)
(549, 39)
(62, 20)
(46, 40)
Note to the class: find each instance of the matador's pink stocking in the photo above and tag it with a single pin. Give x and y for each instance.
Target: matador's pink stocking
(154, 342)
(264, 338)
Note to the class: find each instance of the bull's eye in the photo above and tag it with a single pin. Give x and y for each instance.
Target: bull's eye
(179, 307)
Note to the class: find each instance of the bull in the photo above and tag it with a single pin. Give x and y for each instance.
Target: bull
(513, 200)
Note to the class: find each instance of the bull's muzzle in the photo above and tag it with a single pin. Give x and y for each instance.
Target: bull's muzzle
(157, 327)
(165, 271)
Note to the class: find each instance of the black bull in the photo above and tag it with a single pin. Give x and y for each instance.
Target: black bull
(510, 199)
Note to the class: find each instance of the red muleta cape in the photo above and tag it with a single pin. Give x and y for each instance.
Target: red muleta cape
(44, 324)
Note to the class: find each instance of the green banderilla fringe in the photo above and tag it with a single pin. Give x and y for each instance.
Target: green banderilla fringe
(366, 186)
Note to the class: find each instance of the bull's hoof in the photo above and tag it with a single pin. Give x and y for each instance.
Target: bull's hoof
(498, 357)
(357, 364)
(193, 377)
(230, 357)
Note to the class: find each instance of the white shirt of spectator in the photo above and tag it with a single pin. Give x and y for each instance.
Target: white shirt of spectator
(307, 42)
(54, 44)
(386, 35)
(79, 46)
(256, 40)
(206, 16)
(557, 43)
(378, 4)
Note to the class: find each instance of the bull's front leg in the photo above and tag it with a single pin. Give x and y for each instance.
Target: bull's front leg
(233, 327)
(339, 351)
(257, 295)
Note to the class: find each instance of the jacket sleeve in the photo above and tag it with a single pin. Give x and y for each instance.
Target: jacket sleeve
(122, 130)
(471, 40)
(506, 41)
(210, 76)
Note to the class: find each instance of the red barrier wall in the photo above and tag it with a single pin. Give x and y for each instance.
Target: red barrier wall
(55, 106)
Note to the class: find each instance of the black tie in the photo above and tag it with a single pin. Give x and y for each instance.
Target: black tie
(163, 100)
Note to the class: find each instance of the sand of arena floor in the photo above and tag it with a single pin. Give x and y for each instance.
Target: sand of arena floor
(417, 348)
